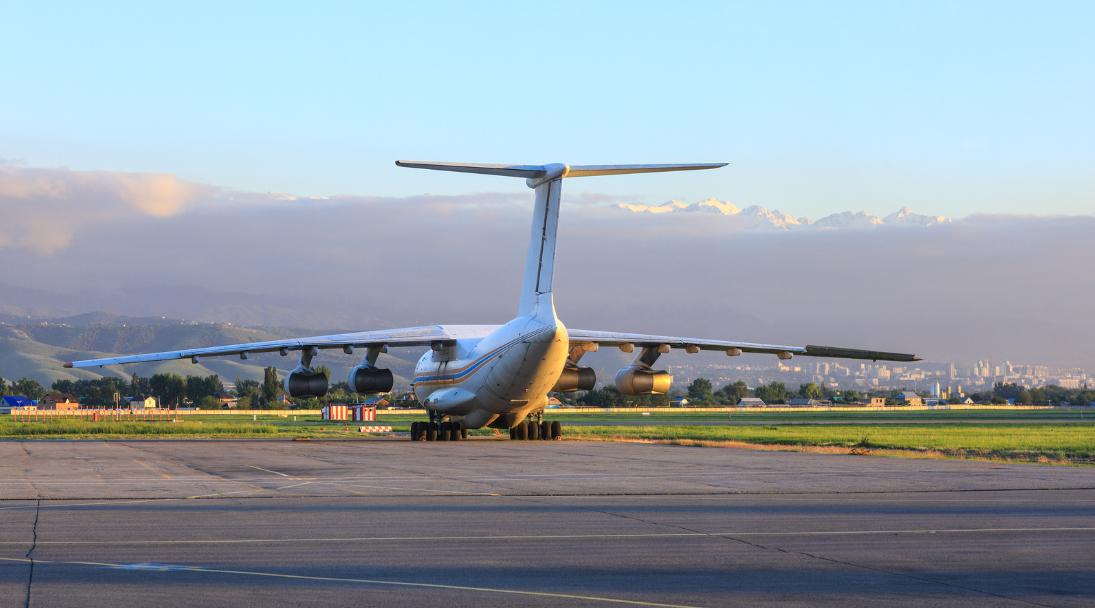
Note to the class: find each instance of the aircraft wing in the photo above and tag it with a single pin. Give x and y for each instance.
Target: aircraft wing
(408, 336)
(609, 338)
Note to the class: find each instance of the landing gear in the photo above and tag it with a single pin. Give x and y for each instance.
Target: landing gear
(431, 431)
(418, 431)
(528, 430)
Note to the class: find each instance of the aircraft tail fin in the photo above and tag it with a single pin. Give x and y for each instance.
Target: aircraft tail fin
(546, 179)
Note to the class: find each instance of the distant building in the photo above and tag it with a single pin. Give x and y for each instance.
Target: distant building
(910, 398)
(227, 401)
(752, 402)
(803, 402)
(678, 402)
(16, 402)
(877, 401)
(142, 402)
(58, 401)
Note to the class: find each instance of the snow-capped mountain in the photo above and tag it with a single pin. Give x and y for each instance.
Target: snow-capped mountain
(759, 218)
(849, 220)
(906, 217)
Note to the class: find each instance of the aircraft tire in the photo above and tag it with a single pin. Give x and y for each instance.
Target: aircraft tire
(513, 432)
(556, 430)
(414, 431)
(545, 430)
(522, 431)
(463, 433)
(446, 432)
(454, 434)
(431, 431)
(533, 430)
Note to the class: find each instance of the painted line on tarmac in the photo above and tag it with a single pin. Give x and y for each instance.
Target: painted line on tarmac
(243, 541)
(362, 581)
(150, 468)
(267, 470)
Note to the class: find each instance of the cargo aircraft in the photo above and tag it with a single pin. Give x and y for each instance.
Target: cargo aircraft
(499, 376)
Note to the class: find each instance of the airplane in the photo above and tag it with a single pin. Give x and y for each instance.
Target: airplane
(499, 376)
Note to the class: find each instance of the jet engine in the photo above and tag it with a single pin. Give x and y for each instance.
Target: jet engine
(306, 384)
(367, 379)
(635, 380)
(575, 379)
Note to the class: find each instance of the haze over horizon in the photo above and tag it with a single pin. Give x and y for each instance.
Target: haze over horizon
(145, 167)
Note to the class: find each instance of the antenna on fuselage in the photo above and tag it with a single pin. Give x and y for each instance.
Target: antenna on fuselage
(546, 180)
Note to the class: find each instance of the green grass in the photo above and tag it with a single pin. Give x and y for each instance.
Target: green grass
(1022, 441)
(77, 429)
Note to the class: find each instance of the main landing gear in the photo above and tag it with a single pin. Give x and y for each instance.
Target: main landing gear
(434, 431)
(531, 429)
(453, 431)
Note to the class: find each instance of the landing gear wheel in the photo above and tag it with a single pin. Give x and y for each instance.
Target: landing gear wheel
(446, 431)
(454, 434)
(545, 430)
(513, 432)
(431, 431)
(556, 430)
(414, 431)
(533, 430)
(522, 430)
(463, 433)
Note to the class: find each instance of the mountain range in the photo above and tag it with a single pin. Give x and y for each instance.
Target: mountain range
(759, 218)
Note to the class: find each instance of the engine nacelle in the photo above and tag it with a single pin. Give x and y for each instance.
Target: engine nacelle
(638, 381)
(576, 379)
(370, 380)
(305, 384)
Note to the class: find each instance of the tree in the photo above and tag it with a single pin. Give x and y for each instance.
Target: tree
(3, 388)
(775, 392)
(208, 402)
(271, 387)
(244, 387)
(700, 391)
(850, 396)
(810, 391)
(169, 389)
(609, 396)
(732, 394)
(198, 387)
(30, 389)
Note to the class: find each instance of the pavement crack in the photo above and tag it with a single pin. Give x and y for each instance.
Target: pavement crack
(30, 552)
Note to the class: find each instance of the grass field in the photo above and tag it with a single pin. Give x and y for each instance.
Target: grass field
(1057, 442)
(1064, 439)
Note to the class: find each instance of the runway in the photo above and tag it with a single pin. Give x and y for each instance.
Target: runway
(499, 523)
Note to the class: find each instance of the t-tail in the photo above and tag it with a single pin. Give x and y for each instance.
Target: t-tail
(547, 181)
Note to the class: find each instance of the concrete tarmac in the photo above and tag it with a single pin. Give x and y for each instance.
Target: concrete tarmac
(500, 523)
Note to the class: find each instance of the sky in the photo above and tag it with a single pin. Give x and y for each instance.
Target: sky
(948, 108)
(235, 163)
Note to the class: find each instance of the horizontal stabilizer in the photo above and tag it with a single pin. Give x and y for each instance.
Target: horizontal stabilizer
(591, 170)
(525, 171)
(538, 171)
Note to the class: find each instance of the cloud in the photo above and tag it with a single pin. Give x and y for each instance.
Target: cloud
(982, 287)
(43, 209)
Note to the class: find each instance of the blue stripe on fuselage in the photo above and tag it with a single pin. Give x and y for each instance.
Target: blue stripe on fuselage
(479, 363)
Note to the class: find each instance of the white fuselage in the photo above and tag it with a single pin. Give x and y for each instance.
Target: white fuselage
(499, 379)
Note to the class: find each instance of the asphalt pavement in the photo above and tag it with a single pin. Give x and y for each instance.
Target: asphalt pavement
(500, 523)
